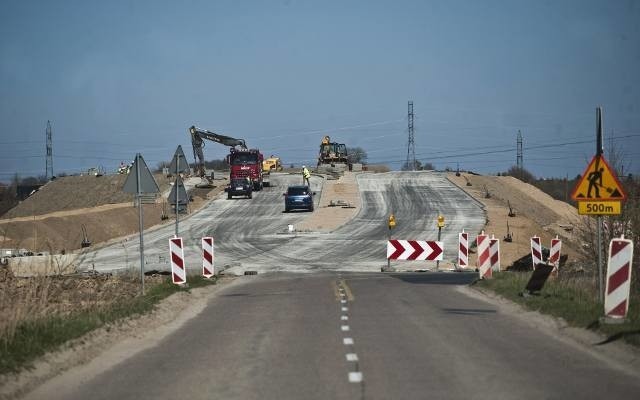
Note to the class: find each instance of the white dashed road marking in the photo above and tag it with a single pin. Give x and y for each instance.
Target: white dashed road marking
(347, 341)
(344, 318)
(355, 377)
(352, 357)
(345, 309)
(344, 328)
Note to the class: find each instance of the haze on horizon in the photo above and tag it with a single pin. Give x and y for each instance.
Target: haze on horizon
(121, 77)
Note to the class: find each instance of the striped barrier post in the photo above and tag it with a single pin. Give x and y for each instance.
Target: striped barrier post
(207, 257)
(484, 259)
(176, 254)
(616, 301)
(536, 251)
(463, 249)
(494, 253)
(554, 253)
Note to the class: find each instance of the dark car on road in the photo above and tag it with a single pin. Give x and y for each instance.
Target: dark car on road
(298, 197)
(240, 187)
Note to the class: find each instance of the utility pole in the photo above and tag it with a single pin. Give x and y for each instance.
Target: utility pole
(519, 162)
(411, 148)
(49, 163)
(599, 151)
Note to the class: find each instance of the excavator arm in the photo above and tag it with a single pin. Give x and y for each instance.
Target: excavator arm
(197, 141)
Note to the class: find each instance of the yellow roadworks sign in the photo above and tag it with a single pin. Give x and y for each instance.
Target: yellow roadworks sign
(598, 183)
(599, 207)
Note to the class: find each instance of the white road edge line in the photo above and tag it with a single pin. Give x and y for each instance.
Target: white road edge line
(355, 377)
(352, 357)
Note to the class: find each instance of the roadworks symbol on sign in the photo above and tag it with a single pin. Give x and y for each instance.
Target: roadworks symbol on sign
(598, 183)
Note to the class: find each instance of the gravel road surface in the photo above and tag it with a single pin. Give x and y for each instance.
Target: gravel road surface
(252, 234)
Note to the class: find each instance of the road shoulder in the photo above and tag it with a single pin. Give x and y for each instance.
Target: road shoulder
(618, 355)
(81, 359)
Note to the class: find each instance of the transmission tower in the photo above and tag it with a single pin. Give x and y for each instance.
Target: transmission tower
(519, 162)
(49, 170)
(411, 148)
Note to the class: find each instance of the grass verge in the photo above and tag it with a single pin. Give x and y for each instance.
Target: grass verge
(34, 338)
(573, 299)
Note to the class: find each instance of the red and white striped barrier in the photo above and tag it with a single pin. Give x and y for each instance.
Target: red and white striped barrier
(176, 253)
(494, 253)
(418, 250)
(536, 251)
(463, 249)
(554, 252)
(616, 301)
(207, 257)
(484, 258)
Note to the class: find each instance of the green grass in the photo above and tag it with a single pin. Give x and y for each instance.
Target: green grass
(35, 338)
(574, 300)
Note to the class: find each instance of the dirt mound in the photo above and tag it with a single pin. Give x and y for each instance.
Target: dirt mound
(73, 192)
(536, 214)
(51, 219)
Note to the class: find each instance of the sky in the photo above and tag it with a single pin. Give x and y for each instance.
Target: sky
(120, 77)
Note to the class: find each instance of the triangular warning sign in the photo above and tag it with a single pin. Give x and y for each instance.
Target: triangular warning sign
(182, 193)
(179, 162)
(598, 183)
(140, 178)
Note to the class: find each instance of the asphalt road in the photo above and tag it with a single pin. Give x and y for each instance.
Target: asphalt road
(395, 336)
(252, 234)
(344, 331)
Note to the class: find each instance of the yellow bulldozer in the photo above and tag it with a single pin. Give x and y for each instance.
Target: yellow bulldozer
(272, 164)
(333, 156)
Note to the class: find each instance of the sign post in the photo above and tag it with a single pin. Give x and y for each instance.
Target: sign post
(392, 224)
(599, 193)
(440, 226)
(139, 181)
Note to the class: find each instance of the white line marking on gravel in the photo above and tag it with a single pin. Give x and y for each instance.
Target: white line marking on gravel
(355, 377)
(352, 357)
(347, 341)
(345, 327)
(345, 309)
(344, 318)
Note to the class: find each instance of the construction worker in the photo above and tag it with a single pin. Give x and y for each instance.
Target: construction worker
(305, 175)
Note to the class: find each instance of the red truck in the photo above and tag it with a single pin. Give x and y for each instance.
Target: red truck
(243, 162)
(246, 163)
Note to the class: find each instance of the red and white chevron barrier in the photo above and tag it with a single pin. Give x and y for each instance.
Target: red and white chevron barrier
(176, 254)
(207, 257)
(616, 301)
(418, 250)
(536, 251)
(494, 253)
(463, 249)
(554, 252)
(484, 257)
